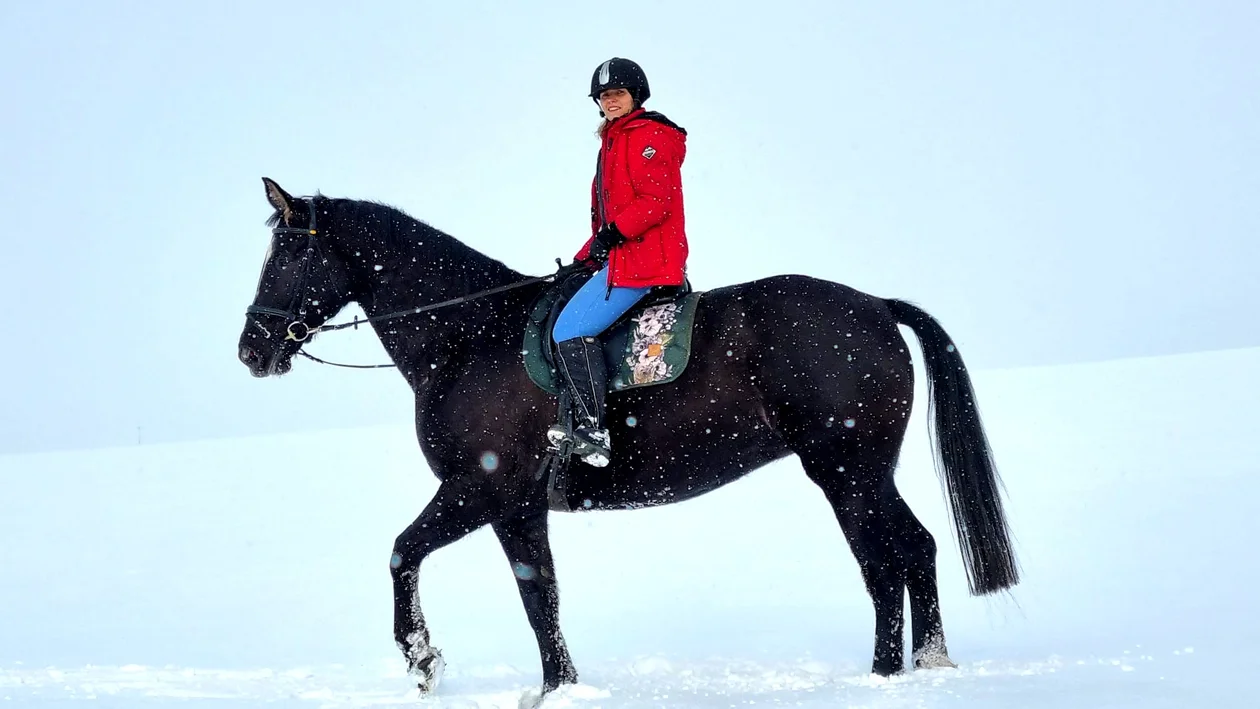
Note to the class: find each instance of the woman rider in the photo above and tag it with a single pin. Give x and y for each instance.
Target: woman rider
(637, 240)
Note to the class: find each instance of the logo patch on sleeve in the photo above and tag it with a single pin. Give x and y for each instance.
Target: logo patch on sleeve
(648, 152)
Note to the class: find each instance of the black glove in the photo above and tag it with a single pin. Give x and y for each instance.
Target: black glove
(563, 272)
(607, 238)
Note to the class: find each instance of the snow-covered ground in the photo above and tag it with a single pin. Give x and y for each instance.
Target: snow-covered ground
(255, 571)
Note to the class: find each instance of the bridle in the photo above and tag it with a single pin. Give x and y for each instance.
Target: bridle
(297, 329)
(296, 320)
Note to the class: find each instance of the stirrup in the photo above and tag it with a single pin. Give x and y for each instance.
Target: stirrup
(592, 446)
(589, 444)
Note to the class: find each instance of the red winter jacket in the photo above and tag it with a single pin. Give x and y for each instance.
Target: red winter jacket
(638, 186)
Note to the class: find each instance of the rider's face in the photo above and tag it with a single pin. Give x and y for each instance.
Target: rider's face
(615, 102)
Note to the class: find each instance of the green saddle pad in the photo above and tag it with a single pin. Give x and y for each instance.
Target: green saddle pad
(649, 345)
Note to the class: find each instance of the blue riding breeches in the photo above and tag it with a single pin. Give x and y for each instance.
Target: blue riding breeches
(588, 313)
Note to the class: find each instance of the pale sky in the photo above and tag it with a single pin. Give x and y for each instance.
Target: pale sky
(1055, 181)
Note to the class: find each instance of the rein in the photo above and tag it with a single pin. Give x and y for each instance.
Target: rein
(309, 331)
(299, 331)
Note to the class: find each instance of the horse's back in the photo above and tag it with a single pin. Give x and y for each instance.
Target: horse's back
(803, 302)
(817, 348)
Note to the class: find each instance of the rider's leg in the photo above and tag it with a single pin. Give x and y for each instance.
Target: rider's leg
(587, 314)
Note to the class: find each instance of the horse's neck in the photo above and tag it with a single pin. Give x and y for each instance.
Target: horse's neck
(421, 344)
(423, 268)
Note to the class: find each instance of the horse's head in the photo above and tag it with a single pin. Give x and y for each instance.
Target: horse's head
(303, 283)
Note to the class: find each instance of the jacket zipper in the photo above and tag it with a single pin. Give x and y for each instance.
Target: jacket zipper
(605, 147)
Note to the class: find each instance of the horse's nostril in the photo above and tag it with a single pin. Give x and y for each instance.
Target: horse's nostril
(248, 356)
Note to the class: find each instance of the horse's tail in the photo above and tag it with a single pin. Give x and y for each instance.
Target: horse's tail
(963, 458)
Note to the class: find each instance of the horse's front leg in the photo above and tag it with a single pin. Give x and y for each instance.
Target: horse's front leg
(459, 507)
(525, 542)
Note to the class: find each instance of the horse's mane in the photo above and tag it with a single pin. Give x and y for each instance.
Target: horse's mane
(403, 234)
(386, 214)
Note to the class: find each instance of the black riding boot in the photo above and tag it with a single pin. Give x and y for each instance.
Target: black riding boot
(582, 367)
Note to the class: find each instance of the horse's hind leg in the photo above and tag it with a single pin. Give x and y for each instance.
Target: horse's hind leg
(857, 480)
(918, 549)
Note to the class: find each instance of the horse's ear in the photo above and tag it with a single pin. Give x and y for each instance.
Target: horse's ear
(281, 200)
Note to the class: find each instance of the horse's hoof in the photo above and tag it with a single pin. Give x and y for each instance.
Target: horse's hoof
(532, 698)
(935, 663)
(428, 671)
(933, 656)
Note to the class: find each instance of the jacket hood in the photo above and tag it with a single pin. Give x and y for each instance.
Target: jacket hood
(640, 116)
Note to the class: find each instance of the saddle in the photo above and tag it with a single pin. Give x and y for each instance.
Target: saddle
(647, 346)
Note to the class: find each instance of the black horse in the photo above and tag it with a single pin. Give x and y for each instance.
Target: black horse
(779, 366)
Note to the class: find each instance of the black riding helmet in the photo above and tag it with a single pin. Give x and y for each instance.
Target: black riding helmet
(618, 73)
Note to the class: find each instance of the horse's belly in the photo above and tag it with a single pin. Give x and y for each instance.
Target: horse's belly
(670, 475)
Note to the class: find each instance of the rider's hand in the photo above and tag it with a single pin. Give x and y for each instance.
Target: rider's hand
(602, 245)
(587, 266)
